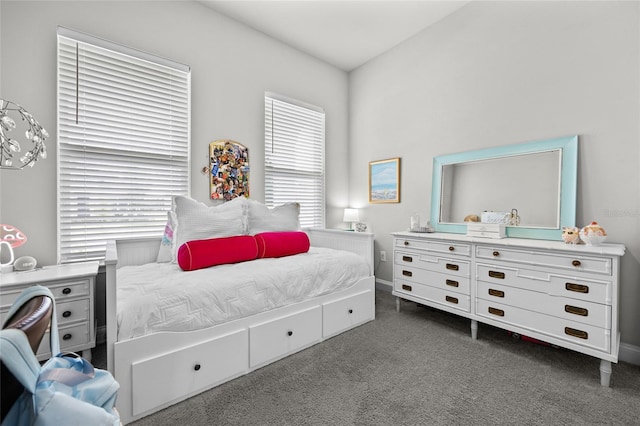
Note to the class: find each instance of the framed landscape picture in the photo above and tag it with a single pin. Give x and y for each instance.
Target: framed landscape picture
(384, 181)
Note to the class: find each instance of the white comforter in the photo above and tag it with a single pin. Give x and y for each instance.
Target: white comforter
(161, 297)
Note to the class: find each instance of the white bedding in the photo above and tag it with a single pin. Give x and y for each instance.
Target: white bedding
(161, 297)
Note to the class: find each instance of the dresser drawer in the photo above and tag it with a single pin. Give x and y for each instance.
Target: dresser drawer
(346, 313)
(570, 331)
(413, 266)
(574, 262)
(547, 281)
(447, 282)
(451, 248)
(433, 294)
(277, 338)
(594, 314)
(194, 368)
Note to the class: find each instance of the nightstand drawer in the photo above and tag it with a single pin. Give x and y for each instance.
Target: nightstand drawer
(70, 288)
(73, 311)
(72, 338)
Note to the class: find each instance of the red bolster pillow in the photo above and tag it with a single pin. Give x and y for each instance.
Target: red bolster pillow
(200, 254)
(280, 244)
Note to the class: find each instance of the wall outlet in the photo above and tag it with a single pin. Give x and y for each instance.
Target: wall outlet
(383, 256)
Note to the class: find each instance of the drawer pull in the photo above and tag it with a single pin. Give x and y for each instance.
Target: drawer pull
(196, 367)
(496, 274)
(452, 283)
(495, 311)
(67, 336)
(406, 243)
(407, 259)
(289, 333)
(452, 267)
(407, 273)
(452, 248)
(496, 253)
(66, 290)
(66, 314)
(496, 293)
(451, 299)
(576, 263)
(576, 310)
(578, 288)
(576, 333)
(407, 287)
(350, 311)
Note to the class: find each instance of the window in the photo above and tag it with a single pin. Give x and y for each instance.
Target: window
(123, 143)
(294, 157)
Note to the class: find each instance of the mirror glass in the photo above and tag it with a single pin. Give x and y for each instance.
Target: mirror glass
(536, 179)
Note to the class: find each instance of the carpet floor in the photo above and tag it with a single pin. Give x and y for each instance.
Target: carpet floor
(417, 367)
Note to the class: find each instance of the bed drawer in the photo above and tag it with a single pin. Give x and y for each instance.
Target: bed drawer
(193, 368)
(285, 335)
(346, 313)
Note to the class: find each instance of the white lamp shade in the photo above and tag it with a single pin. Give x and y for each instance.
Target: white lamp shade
(351, 215)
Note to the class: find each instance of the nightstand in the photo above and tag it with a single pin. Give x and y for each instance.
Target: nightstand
(73, 286)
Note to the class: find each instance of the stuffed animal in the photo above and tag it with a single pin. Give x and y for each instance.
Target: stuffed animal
(471, 218)
(570, 234)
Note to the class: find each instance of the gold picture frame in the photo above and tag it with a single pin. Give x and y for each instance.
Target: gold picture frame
(384, 181)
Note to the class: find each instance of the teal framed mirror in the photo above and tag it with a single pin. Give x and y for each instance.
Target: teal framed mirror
(536, 179)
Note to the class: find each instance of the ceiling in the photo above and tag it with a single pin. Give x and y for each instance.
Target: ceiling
(345, 33)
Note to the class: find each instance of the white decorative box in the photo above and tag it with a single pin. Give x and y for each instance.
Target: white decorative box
(495, 217)
(486, 230)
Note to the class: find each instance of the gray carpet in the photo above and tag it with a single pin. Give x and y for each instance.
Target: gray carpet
(418, 367)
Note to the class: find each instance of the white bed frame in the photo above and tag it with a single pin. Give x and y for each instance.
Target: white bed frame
(161, 369)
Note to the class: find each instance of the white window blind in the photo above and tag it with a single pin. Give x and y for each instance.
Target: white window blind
(123, 143)
(294, 157)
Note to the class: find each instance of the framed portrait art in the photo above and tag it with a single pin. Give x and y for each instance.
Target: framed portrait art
(384, 181)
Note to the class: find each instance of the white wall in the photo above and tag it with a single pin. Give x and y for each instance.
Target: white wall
(232, 67)
(497, 73)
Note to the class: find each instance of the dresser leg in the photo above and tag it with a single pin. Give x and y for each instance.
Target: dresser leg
(86, 354)
(605, 372)
(397, 304)
(474, 329)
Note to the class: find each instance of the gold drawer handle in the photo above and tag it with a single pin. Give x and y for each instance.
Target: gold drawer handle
(496, 274)
(578, 288)
(495, 311)
(406, 243)
(407, 287)
(452, 248)
(576, 263)
(451, 299)
(576, 333)
(452, 267)
(496, 293)
(407, 273)
(576, 310)
(407, 259)
(452, 283)
(496, 253)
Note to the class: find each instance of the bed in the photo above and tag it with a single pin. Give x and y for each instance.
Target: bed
(160, 362)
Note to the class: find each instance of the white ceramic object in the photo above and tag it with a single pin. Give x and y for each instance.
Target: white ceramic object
(593, 234)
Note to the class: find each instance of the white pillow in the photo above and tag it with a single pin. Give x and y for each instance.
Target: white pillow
(167, 250)
(280, 218)
(197, 221)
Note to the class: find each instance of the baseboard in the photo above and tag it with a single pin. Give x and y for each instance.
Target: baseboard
(384, 285)
(101, 334)
(629, 353)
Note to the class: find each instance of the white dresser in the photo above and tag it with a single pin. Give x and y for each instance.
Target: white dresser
(73, 287)
(563, 294)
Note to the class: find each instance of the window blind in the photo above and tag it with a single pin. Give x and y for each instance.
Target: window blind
(294, 157)
(123, 143)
